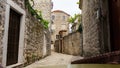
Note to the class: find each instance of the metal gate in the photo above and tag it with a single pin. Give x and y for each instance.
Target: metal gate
(115, 24)
(13, 37)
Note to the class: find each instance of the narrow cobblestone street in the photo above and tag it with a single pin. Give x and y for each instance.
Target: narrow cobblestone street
(59, 33)
(54, 59)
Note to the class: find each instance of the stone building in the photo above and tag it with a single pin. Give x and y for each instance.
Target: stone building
(101, 26)
(45, 7)
(101, 30)
(21, 35)
(59, 24)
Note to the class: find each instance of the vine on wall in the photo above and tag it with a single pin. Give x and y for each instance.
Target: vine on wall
(36, 13)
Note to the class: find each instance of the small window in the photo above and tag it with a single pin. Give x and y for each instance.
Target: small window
(58, 36)
(64, 18)
(52, 42)
(53, 17)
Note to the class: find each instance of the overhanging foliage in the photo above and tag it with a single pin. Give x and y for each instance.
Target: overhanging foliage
(36, 13)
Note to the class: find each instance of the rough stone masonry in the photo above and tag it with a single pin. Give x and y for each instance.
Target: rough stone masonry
(95, 27)
(33, 37)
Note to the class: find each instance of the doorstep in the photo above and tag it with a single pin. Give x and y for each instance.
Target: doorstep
(18, 65)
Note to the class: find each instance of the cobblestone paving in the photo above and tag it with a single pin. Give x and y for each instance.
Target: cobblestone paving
(54, 59)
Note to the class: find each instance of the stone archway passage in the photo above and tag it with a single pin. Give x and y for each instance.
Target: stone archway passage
(115, 24)
(13, 37)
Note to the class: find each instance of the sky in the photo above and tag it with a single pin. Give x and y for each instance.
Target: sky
(68, 6)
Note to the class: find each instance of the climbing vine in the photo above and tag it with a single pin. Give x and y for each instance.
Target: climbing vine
(36, 13)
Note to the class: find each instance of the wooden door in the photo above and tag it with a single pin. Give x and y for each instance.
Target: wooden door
(114, 6)
(13, 37)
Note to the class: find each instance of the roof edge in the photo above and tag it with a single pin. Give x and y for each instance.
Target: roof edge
(60, 11)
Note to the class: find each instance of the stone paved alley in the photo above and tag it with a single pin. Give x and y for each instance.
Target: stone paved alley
(54, 59)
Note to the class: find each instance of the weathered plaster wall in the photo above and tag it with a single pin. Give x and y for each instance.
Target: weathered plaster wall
(95, 24)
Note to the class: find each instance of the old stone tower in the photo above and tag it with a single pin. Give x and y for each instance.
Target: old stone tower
(59, 23)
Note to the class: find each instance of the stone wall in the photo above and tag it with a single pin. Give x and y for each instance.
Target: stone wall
(34, 34)
(34, 39)
(45, 7)
(95, 24)
(48, 41)
(70, 44)
(37, 38)
(2, 16)
(20, 3)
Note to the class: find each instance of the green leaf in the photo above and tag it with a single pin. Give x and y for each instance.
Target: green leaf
(36, 13)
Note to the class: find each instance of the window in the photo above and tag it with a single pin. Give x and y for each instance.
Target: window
(53, 17)
(64, 18)
(58, 36)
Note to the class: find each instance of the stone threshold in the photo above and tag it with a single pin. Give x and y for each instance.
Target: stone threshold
(15, 65)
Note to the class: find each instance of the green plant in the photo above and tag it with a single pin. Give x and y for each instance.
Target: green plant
(72, 19)
(78, 2)
(36, 13)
